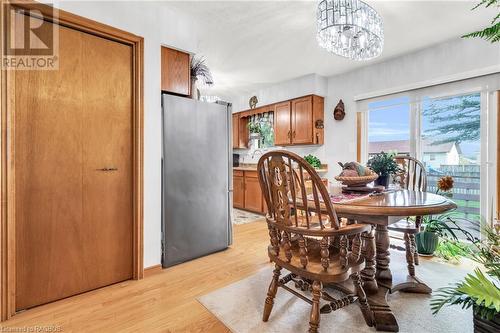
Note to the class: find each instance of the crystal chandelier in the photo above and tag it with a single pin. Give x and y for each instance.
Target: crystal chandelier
(350, 28)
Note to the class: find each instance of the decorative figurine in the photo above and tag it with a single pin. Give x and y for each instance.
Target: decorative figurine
(338, 112)
(253, 102)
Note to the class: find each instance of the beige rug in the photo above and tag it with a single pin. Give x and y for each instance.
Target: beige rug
(244, 217)
(239, 306)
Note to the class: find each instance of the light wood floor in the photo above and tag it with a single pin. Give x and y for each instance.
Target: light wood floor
(163, 302)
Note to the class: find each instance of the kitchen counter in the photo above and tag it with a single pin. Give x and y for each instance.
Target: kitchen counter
(253, 167)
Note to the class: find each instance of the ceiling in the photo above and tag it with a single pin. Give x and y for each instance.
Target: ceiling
(250, 44)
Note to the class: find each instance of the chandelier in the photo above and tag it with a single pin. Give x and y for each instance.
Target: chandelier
(350, 28)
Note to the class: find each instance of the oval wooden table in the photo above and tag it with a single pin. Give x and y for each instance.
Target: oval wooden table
(380, 211)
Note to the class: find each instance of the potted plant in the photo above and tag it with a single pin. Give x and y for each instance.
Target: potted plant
(385, 166)
(199, 70)
(313, 161)
(479, 290)
(437, 227)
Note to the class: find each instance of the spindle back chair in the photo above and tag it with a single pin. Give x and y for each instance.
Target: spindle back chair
(303, 229)
(412, 177)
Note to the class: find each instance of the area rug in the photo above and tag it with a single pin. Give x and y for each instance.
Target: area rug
(239, 306)
(243, 217)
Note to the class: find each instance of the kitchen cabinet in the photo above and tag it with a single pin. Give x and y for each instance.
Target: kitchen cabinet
(253, 194)
(302, 121)
(175, 71)
(236, 131)
(299, 121)
(282, 123)
(243, 132)
(238, 189)
(246, 191)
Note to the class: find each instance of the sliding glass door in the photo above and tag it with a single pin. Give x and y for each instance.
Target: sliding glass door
(450, 145)
(442, 132)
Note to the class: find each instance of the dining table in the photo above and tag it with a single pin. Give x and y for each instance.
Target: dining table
(381, 210)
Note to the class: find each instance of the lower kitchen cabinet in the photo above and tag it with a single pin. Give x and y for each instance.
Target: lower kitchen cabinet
(238, 189)
(246, 191)
(253, 194)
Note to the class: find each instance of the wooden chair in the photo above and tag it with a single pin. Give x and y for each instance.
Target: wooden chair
(413, 177)
(303, 229)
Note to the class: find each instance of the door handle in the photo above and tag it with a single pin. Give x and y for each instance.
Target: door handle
(107, 169)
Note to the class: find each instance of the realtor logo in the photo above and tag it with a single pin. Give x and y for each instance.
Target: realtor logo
(31, 41)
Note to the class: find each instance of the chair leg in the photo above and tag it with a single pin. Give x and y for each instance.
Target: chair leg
(314, 318)
(410, 253)
(271, 293)
(363, 303)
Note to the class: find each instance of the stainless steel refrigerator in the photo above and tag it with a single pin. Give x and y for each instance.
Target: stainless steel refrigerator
(196, 178)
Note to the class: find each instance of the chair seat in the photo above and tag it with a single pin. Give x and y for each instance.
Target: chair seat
(335, 273)
(404, 225)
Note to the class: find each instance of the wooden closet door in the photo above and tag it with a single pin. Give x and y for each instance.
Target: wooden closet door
(73, 223)
(48, 178)
(107, 164)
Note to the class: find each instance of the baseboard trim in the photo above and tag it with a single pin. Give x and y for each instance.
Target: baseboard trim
(148, 271)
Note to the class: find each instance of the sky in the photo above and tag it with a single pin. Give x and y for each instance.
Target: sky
(389, 120)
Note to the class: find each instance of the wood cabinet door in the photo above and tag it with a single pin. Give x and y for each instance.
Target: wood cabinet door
(74, 223)
(238, 192)
(282, 124)
(253, 193)
(236, 131)
(175, 71)
(302, 121)
(243, 132)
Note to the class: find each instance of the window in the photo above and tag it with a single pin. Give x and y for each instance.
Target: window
(389, 126)
(451, 132)
(444, 133)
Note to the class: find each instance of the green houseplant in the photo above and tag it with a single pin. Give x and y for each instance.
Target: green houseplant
(385, 166)
(479, 290)
(436, 227)
(313, 161)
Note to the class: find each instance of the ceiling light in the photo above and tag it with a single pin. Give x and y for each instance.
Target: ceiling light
(350, 28)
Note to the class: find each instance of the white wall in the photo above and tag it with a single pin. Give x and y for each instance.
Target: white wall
(158, 24)
(442, 61)
(301, 86)
(430, 64)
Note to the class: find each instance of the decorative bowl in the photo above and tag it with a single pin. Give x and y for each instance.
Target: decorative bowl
(357, 181)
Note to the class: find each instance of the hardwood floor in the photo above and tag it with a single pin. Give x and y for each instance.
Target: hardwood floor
(162, 302)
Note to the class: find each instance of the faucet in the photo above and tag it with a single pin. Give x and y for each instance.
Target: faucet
(255, 151)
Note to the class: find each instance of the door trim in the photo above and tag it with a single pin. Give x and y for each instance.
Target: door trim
(7, 145)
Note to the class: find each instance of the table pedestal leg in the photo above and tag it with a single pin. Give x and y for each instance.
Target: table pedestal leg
(383, 259)
(368, 252)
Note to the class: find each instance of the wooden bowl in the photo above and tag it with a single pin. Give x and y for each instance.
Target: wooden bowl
(357, 181)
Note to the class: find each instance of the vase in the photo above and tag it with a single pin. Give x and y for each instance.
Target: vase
(482, 325)
(427, 242)
(383, 181)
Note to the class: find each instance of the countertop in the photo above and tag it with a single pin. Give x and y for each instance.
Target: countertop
(253, 167)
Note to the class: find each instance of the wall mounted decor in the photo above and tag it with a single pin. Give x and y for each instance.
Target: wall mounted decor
(253, 102)
(338, 112)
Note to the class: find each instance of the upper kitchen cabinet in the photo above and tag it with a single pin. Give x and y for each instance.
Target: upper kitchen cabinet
(300, 121)
(307, 120)
(236, 131)
(175, 71)
(282, 123)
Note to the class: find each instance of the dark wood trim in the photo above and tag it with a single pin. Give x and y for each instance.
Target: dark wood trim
(152, 270)
(7, 223)
(359, 129)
